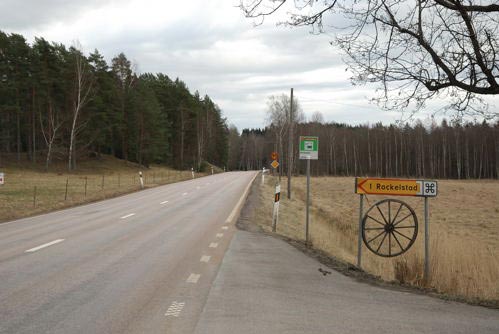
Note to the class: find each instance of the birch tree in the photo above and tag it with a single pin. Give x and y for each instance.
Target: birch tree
(82, 90)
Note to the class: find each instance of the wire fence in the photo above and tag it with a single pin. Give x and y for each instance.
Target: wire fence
(28, 193)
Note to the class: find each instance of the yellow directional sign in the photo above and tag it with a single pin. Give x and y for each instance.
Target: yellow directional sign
(398, 187)
(274, 164)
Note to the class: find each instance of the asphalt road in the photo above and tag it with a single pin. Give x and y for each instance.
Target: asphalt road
(141, 263)
(170, 260)
(266, 286)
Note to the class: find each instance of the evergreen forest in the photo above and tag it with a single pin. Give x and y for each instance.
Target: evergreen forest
(57, 103)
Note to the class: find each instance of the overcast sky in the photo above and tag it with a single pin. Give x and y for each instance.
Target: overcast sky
(211, 47)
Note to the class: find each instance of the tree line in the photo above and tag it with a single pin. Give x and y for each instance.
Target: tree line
(454, 151)
(57, 103)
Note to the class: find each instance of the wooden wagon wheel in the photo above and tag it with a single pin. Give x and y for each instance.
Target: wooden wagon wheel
(389, 228)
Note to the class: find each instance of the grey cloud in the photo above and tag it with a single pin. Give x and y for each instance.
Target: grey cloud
(24, 14)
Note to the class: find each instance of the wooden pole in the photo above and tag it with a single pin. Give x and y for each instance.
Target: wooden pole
(290, 145)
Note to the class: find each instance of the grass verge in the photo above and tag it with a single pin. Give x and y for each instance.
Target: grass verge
(28, 190)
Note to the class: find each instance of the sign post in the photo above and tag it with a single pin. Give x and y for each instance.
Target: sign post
(309, 150)
(275, 215)
(359, 241)
(397, 187)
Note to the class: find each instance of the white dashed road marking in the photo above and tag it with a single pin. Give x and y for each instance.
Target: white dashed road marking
(213, 245)
(193, 278)
(205, 258)
(44, 245)
(219, 235)
(184, 194)
(128, 216)
(164, 202)
(225, 227)
(174, 309)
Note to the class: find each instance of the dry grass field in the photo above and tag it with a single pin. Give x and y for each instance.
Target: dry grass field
(28, 190)
(464, 232)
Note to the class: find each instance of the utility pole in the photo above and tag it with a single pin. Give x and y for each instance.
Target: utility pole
(290, 145)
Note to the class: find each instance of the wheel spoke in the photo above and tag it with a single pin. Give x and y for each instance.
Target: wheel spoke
(409, 215)
(382, 215)
(397, 214)
(377, 221)
(381, 244)
(374, 228)
(389, 212)
(402, 235)
(376, 237)
(397, 227)
(397, 240)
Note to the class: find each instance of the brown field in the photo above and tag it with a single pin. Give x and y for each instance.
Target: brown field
(104, 178)
(464, 232)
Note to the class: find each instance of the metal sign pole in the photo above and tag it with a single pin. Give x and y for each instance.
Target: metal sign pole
(308, 203)
(359, 242)
(426, 240)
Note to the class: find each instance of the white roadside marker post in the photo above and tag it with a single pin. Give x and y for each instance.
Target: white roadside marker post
(192, 172)
(275, 215)
(211, 170)
(141, 180)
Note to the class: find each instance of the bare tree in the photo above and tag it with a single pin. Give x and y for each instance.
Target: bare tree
(317, 117)
(82, 89)
(279, 116)
(416, 50)
(50, 131)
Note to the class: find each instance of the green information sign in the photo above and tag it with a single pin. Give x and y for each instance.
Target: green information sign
(309, 148)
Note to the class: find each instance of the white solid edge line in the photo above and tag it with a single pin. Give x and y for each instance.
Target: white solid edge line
(44, 245)
(164, 202)
(243, 196)
(128, 216)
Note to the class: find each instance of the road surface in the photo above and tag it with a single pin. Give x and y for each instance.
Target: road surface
(141, 263)
(170, 260)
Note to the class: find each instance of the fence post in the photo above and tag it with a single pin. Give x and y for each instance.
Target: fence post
(34, 197)
(86, 180)
(66, 193)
